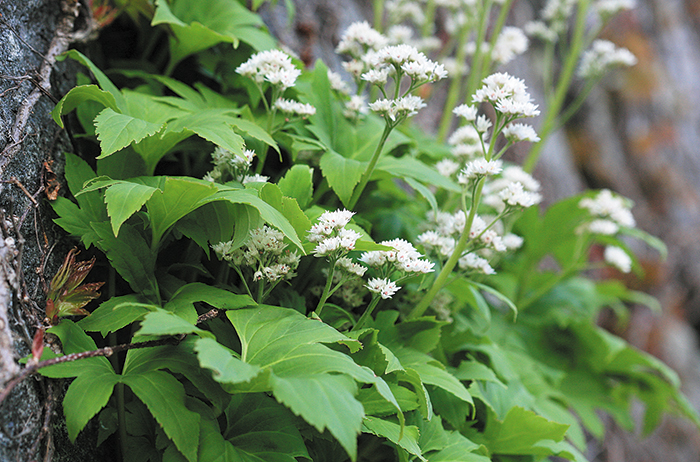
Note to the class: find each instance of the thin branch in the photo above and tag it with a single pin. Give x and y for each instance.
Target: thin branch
(33, 367)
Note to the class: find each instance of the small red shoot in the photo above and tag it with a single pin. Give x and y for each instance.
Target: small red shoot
(67, 296)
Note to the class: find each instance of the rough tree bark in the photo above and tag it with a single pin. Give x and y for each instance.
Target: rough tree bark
(32, 34)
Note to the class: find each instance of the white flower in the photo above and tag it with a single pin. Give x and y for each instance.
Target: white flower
(515, 173)
(337, 219)
(257, 178)
(512, 241)
(355, 107)
(602, 56)
(507, 94)
(337, 82)
(294, 107)
(466, 134)
(607, 205)
(510, 43)
(608, 8)
(327, 246)
(540, 30)
(520, 132)
(604, 227)
(376, 76)
(384, 287)
(398, 108)
(466, 111)
(618, 258)
(275, 66)
(515, 195)
(483, 123)
(351, 267)
(359, 38)
(475, 262)
(478, 168)
(446, 167)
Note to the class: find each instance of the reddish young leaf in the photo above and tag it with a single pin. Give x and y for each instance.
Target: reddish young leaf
(66, 296)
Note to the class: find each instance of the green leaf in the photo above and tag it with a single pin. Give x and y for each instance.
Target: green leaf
(424, 191)
(78, 95)
(298, 183)
(85, 397)
(124, 199)
(324, 401)
(407, 166)
(287, 345)
(268, 213)
(341, 173)
(198, 26)
(115, 313)
(74, 340)
(161, 322)
(165, 398)
(130, 256)
(189, 294)
(520, 431)
(101, 78)
(288, 206)
(457, 449)
(225, 366)
(406, 437)
(177, 197)
(263, 430)
(91, 390)
(117, 131)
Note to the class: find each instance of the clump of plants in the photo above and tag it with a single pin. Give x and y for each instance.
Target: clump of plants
(298, 273)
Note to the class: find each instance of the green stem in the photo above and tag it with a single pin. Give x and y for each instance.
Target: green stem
(475, 76)
(563, 85)
(495, 32)
(121, 416)
(326, 290)
(370, 168)
(378, 14)
(455, 84)
(461, 246)
(427, 28)
(367, 314)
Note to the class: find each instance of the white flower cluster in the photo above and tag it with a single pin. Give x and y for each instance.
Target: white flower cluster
(478, 168)
(618, 258)
(406, 59)
(398, 109)
(508, 95)
(610, 212)
(295, 108)
(602, 56)
(608, 8)
(514, 187)
(403, 258)
(229, 166)
(385, 287)
(442, 240)
(273, 66)
(360, 38)
(332, 238)
(355, 107)
(265, 253)
(510, 43)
